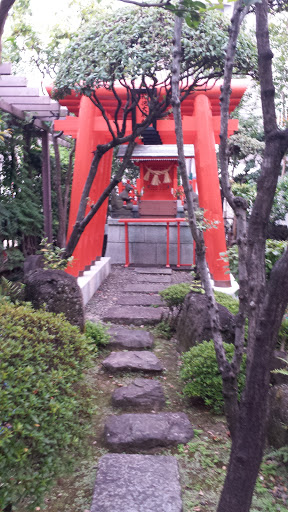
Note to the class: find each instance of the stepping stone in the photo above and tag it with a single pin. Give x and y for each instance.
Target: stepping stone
(137, 483)
(152, 279)
(143, 431)
(130, 339)
(140, 299)
(141, 392)
(144, 288)
(167, 271)
(133, 361)
(136, 315)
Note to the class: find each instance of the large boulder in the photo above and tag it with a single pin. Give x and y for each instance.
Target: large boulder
(33, 262)
(277, 431)
(193, 325)
(59, 291)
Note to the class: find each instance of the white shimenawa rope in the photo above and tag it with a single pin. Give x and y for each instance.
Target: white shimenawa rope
(156, 176)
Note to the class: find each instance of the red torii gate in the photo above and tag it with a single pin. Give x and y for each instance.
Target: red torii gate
(201, 127)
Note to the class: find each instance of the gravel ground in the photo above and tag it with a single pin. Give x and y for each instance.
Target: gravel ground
(111, 289)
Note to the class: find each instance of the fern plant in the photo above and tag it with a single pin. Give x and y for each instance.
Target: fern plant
(283, 371)
(11, 291)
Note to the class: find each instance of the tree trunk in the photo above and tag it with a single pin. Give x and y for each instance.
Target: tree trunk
(62, 199)
(230, 385)
(249, 441)
(266, 301)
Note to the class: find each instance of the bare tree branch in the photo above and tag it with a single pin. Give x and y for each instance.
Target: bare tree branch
(239, 205)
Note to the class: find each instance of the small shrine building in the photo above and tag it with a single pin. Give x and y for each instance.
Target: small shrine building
(157, 180)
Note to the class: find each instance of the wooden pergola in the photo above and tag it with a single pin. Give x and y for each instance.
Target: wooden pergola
(27, 104)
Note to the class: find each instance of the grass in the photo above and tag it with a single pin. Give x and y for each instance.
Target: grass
(202, 461)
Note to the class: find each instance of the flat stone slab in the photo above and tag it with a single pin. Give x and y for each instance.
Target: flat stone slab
(130, 339)
(140, 393)
(149, 278)
(136, 315)
(144, 288)
(133, 361)
(143, 431)
(137, 483)
(140, 299)
(167, 271)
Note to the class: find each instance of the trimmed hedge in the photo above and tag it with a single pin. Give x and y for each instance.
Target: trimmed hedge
(200, 373)
(42, 411)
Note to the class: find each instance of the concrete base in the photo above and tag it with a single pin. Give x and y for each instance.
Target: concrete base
(93, 278)
(229, 290)
(147, 243)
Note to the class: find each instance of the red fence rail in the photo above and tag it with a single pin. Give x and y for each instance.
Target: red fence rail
(155, 221)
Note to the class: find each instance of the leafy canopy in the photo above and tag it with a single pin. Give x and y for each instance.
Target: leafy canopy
(132, 44)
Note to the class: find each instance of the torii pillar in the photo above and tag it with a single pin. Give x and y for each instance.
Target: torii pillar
(90, 129)
(209, 190)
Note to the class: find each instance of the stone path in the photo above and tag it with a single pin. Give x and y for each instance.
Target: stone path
(129, 482)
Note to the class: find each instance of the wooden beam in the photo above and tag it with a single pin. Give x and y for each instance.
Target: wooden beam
(14, 111)
(6, 92)
(13, 81)
(46, 187)
(36, 100)
(6, 68)
(10, 109)
(45, 109)
(61, 141)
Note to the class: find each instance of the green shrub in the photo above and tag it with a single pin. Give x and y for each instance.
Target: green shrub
(53, 256)
(164, 330)
(283, 335)
(175, 294)
(97, 333)
(43, 413)
(200, 373)
(227, 301)
(273, 251)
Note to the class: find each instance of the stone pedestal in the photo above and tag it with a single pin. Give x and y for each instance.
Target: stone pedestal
(147, 243)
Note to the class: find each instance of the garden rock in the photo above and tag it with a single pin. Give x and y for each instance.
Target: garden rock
(140, 393)
(59, 291)
(277, 430)
(193, 323)
(33, 262)
(133, 361)
(144, 431)
(130, 339)
(137, 483)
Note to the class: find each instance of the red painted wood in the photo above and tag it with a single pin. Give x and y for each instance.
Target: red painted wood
(166, 221)
(201, 126)
(208, 188)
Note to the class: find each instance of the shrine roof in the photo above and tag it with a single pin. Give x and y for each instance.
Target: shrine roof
(157, 152)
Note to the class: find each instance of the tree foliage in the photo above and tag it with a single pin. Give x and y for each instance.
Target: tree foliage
(139, 45)
(43, 413)
(134, 50)
(21, 185)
